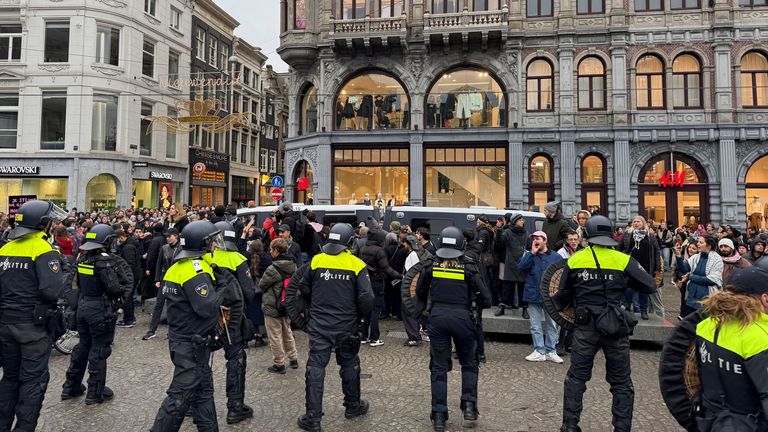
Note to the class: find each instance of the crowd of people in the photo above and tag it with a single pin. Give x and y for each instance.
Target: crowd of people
(287, 250)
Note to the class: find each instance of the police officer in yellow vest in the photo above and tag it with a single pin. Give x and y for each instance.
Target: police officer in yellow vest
(339, 293)
(102, 285)
(593, 279)
(732, 354)
(230, 259)
(31, 281)
(456, 292)
(193, 312)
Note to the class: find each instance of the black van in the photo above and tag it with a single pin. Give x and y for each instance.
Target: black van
(437, 218)
(326, 214)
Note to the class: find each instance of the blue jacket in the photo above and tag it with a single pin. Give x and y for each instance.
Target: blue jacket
(534, 266)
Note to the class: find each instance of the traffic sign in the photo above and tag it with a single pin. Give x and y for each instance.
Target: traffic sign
(277, 181)
(277, 194)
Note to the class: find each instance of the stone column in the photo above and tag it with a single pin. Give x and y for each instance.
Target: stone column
(516, 169)
(323, 177)
(568, 177)
(567, 107)
(416, 170)
(723, 92)
(622, 165)
(728, 173)
(619, 80)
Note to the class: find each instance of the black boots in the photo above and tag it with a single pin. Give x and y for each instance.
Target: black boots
(70, 392)
(438, 421)
(644, 315)
(357, 410)
(238, 412)
(309, 423)
(566, 428)
(470, 414)
(98, 394)
(525, 313)
(500, 310)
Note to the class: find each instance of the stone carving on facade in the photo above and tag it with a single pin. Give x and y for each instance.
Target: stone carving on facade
(638, 152)
(415, 65)
(114, 3)
(330, 68)
(706, 153)
(107, 70)
(56, 67)
(512, 60)
(746, 149)
(310, 154)
(291, 158)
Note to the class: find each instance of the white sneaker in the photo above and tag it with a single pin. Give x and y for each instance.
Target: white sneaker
(553, 357)
(376, 343)
(364, 341)
(536, 356)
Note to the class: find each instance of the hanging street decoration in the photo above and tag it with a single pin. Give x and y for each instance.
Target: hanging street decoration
(200, 112)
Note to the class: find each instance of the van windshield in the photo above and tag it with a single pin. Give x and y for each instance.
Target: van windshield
(433, 225)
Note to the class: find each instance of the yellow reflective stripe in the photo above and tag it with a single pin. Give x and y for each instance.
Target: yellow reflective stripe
(227, 259)
(442, 274)
(343, 261)
(85, 265)
(29, 246)
(184, 270)
(85, 271)
(451, 270)
(609, 259)
(746, 342)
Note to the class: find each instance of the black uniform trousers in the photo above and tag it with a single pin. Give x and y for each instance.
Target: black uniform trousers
(320, 347)
(192, 386)
(446, 323)
(25, 349)
(235, 355)
(97, 332)
(586, 342)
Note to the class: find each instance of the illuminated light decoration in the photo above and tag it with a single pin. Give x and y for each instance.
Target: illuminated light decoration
(201, 112)
(672, 179)
(303, 184)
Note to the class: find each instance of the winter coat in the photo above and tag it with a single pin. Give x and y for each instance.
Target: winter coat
(514, 240)
(294, 251)
(153, 251)
(730, 267)
(706, 275)
(474, 250)
(534, 265)
(485, 238)
(131, 253)
(556, 230)
(271, 283)
(653, 251)
(164, 260)
(376, 259)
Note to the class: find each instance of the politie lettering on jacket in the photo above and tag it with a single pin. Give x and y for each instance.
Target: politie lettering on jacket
(170, 290)
(328, 275)
(13, 265)
(586, 275)
(723, 364)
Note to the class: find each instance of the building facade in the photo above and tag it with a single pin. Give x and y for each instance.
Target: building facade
(274, 129)
(648, 107)
(77, 85)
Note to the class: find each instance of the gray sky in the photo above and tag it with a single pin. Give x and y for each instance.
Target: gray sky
(259, 25)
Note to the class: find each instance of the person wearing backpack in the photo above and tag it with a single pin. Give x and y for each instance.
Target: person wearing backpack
(276, 277)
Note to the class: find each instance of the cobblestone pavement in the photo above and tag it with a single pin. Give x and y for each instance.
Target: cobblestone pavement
(515, 395)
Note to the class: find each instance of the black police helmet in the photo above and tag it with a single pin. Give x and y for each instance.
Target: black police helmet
(228, 231)
(339, 239)
(451, 243)
(98, 237)
(196, 239)
(35, 216)
(762, 262)
(599, 231)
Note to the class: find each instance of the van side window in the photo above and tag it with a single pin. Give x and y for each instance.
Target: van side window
(433, 225)
(539, 225)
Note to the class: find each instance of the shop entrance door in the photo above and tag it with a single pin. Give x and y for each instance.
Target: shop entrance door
(681, 207)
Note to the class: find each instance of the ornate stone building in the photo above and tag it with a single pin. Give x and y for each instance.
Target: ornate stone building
(656, 107)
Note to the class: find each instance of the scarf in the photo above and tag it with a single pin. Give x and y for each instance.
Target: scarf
(638, 235)
(733, 258)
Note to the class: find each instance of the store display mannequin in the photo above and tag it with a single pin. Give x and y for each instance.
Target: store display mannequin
(756, 213)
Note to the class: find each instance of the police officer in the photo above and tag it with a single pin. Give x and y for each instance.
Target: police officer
(100, 293)
(457, 292)
(594, 277)
(732, 354)
(231, 260)
(193, 312)
(32, 279)
(339, 293)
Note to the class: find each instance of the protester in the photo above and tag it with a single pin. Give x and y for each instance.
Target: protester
(757, 249)
(644, 248)
(555, 226)
(732, 260)
(378, 269)
(702, 272)
(513, 239)
(277, 323)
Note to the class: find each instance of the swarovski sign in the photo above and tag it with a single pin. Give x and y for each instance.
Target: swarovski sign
(160, 175)
(19, 170)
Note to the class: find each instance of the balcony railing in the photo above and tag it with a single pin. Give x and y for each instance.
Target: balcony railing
(368, 25)
(467, 19)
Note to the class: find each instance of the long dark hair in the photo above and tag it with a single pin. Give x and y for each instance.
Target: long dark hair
(256, 250)
(711, 241)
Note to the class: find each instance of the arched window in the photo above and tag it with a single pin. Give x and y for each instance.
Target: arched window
(650, 83)
(101, 192)
(754, 80)
(391, 8)
(485, 5)
(372, 100)
(673, 187)
(540, 180)
(594, 182)
(299, 14)
(351, 9)
(465, 97)
(308, 119)
(757, 194)
(444, 6)
(540, 86)
(686, 82)
(591, 84)
(303, 179)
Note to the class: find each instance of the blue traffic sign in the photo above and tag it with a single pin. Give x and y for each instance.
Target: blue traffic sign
(277, 181)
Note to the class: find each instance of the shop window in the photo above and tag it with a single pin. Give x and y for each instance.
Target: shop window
(589, 7)
(540, 86)
(673, 187)
(53, 190)
(150, 6)
(485, 5)
(684, 4)
(9, 119)
(243, 189)
(444, 6)
(200, 44)
(465, 98)
(308, 111)
(466, 176)
(754, 80)
(101, 193)
(171, 138)
(757, 194)
(145, 141)
(107, 44)
(56, 42)
(148, 58)
(10, 42)
(591, 84)
(753, 3)
(370, 171)
(372, 101)
(650, 83)
(686, 82)
(540, 181)
(649, 5)
(594, 191)
(53, 121)
(300, 14)
(303, 177)
(104, 123)
(539, 8)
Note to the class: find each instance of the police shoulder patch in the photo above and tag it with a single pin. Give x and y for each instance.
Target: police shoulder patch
(54, 265)
(202, 290)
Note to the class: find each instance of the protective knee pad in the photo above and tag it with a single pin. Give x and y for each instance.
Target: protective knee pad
(440, 360)
(315, 374)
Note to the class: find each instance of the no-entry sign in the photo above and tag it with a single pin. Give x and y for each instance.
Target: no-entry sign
(277, 194)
